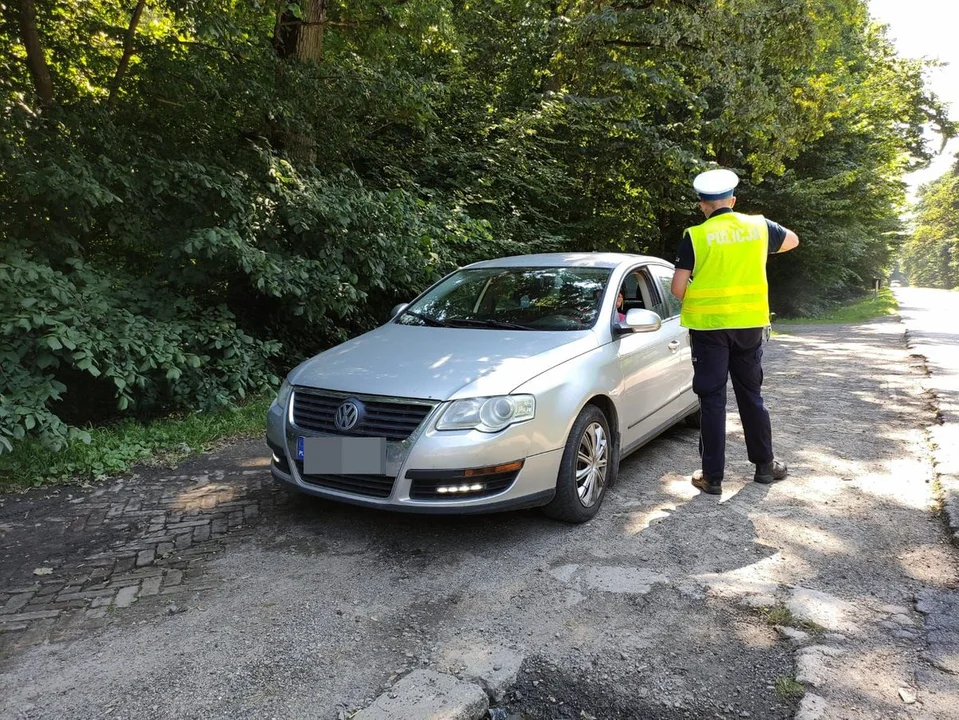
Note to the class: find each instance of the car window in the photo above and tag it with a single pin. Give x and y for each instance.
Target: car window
(637, 291)
(631, 290)
(666, 305)
(540, 298)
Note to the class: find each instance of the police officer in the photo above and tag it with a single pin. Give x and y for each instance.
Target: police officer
(721, 278)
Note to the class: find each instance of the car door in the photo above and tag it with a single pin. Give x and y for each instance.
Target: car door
(668, 307)
(650, 362)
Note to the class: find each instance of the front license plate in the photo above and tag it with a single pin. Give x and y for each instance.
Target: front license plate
(342, 455)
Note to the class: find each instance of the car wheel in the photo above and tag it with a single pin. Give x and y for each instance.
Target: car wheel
(694, 419)
(586, 470)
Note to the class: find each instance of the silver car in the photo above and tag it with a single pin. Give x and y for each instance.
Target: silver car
(510, 383)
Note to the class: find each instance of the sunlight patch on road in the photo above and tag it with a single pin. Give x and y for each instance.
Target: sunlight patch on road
(822, 486)
(608, 578)
(752, 584)
(929, 564)
(823, 609)
(256, 462)
(640, 521)
(676, 486)
(205, 497)
(799, 532)
(899, 434)
(760, 579)
(754, 635)
(905, 483)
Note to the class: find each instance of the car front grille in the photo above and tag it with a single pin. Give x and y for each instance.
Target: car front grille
(425, 484)
(378, 486)
(391, 419)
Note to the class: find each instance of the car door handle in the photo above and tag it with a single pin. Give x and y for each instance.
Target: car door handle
(674, 345)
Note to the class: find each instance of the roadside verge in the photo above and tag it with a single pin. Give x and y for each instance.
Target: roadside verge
(942, 434)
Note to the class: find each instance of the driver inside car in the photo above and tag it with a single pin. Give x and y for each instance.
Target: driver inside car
(620, 315)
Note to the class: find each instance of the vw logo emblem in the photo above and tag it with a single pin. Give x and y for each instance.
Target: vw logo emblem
(346, 415)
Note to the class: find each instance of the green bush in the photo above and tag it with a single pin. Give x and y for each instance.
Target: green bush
(78, 331)
(136, 282)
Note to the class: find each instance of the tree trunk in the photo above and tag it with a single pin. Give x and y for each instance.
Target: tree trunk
(36, 61)
(127, 52)
(551, 81)
(309, 44)
(301, 38)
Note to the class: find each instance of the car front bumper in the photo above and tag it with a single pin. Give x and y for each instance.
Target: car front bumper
(429, 453)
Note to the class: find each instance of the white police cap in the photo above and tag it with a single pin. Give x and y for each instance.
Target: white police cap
(715, 184)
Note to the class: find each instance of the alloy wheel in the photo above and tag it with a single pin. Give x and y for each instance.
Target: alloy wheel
(591, 463)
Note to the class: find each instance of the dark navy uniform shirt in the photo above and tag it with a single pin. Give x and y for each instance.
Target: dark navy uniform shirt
(686, 258)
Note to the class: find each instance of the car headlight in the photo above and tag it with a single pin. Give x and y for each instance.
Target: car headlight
(283, 396)
(487, 414)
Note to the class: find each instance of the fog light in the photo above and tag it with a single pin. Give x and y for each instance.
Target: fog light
(277, 459)
(450, 489)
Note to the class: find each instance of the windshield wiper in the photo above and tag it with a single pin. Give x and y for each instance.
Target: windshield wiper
(499, 324)
(429, 320)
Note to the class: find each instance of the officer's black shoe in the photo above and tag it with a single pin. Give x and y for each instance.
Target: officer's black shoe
(707, 485)
(770, 472)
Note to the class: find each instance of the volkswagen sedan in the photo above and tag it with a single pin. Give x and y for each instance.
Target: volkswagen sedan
(510, 383)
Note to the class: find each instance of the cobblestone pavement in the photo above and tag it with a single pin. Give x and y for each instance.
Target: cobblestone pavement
(73, 555)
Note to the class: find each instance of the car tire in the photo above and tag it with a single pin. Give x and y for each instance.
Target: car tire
(694, 419)
(587, 469)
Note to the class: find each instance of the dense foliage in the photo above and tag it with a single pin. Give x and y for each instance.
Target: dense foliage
(196, 193)
(931, 254)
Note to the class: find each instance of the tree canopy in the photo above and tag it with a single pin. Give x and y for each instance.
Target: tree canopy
(196, 193)
(931, 252)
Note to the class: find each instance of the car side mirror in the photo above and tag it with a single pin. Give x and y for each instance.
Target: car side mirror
(639, 320)
(397, 309)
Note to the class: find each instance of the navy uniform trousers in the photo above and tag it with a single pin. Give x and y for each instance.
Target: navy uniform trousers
(718, 354)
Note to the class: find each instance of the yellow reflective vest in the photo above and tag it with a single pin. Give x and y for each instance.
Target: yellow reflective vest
(728, 288)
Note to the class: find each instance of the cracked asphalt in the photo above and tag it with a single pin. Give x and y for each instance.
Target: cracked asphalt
(207, 592)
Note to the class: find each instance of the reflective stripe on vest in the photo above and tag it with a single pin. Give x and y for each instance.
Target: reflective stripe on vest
(728, 288)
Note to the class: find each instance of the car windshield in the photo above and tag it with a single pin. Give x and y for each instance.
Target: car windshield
(540, 298)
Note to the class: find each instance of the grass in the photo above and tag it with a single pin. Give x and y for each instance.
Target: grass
(781, 615)
(788, 687)
(114, 449)
(858, 311)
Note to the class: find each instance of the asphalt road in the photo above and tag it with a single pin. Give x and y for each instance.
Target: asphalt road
(931, 318)
(207, 592)
(932, 321)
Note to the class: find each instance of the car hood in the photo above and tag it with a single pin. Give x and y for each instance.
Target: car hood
(440, 363)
